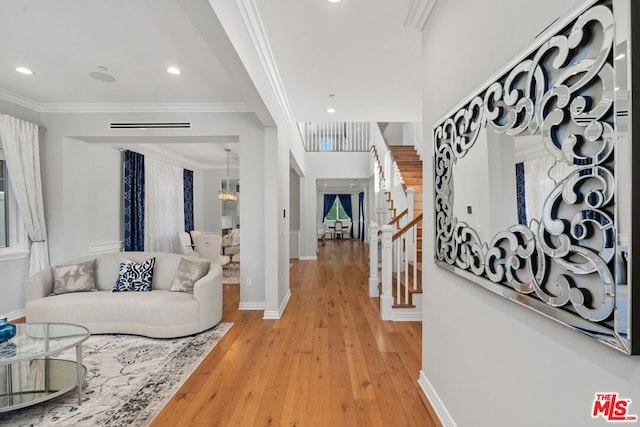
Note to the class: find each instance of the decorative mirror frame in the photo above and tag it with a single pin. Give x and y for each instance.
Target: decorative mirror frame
(572, 85)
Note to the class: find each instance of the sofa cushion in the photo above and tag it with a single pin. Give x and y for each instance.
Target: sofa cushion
(74, 278)
(187, 274)
(134, 276)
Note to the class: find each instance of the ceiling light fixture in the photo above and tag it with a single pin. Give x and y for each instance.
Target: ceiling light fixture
(331, 109)
(334, 1)
(174, 70)
(24, 70)
(226, 194)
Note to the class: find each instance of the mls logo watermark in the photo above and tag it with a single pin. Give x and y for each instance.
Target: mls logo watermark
(611, 408)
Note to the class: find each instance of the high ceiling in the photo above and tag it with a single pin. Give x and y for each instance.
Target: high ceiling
(358, 50)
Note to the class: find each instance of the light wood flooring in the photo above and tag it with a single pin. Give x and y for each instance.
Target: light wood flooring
(330, 360)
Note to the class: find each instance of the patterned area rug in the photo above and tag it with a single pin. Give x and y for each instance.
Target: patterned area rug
(129, 379)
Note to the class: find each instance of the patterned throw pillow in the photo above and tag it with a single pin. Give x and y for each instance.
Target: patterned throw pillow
(134, 276)
(187, 274)
(74, 278)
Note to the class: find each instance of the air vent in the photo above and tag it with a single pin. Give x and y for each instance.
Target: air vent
(154, 125)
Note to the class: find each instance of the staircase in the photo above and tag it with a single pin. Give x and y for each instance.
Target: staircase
(401, 277)
(410, 166)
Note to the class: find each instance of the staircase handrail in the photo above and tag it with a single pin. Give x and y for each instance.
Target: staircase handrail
(398, 217)
(407, 227)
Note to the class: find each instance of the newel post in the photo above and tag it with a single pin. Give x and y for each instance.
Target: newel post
(409, 235)
(374, 281)
(386, 299)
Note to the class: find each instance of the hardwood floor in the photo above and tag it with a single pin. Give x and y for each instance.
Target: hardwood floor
(330, 360)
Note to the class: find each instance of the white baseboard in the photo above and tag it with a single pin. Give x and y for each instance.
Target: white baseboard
(251, 306)
(407, 317)
(436, 403)
(14, 315)
(275, 315)
(308, 258)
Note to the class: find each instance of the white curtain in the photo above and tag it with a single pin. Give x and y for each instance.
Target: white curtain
(164, 206)
(19, 140)
(538, 182)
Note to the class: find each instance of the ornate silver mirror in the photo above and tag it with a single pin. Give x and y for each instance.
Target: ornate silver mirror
(533, 177)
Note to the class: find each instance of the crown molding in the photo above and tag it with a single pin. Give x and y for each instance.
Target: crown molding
(20, 100)
(419, 14)
(64, 107)
(253, 23)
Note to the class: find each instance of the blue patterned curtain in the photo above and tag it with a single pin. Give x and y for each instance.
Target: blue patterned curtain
(188, 200)
(328, 202)
(520, 195)
(345, 201)
(361, 206)
(133, 201)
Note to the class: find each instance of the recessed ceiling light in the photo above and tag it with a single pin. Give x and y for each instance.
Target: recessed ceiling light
(331, 110)
(334, 1)
(174, 70)
(24, 70)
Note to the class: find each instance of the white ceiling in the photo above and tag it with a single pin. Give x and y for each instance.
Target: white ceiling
(358, 50)
(64, 40)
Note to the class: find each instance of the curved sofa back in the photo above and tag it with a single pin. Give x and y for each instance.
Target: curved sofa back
(107, 267)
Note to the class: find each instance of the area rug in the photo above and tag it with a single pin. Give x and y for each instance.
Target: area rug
(129, 379)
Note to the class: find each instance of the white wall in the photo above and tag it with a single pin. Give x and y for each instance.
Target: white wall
(492, 362)
(294, 200)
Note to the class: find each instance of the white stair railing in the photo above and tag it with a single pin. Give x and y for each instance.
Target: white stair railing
(374, 281)
(386, 299)
(398, 252)
(336, 136)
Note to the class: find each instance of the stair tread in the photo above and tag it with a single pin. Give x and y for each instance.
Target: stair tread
(403, 306)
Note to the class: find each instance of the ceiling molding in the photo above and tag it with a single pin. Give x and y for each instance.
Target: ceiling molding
(253, 23)
(419, 14)
(22, 101)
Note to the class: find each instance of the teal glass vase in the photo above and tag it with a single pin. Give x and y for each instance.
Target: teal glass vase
(7, 330)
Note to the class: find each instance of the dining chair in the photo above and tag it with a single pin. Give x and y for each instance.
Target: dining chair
(346, 230)
(209, 246)
(327, 228)
(338, 229)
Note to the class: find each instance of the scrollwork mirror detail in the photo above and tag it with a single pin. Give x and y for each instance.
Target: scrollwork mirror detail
(564, 260)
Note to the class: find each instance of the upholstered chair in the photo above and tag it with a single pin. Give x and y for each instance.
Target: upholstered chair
(209, 246)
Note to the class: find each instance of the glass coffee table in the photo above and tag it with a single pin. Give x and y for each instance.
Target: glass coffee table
(28, 372)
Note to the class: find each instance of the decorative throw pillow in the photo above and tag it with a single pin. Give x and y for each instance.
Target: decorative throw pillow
(74, 278)
(187, 274)
(135, 276)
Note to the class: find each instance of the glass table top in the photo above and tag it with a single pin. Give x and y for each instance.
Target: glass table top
(35, 340)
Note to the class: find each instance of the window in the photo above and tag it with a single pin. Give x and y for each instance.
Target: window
(337, 212)
(12, 233)
(4, 206)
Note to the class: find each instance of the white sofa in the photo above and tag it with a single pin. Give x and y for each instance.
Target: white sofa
(158, 314)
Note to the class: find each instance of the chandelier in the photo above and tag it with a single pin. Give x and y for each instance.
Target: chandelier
(228, 195)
